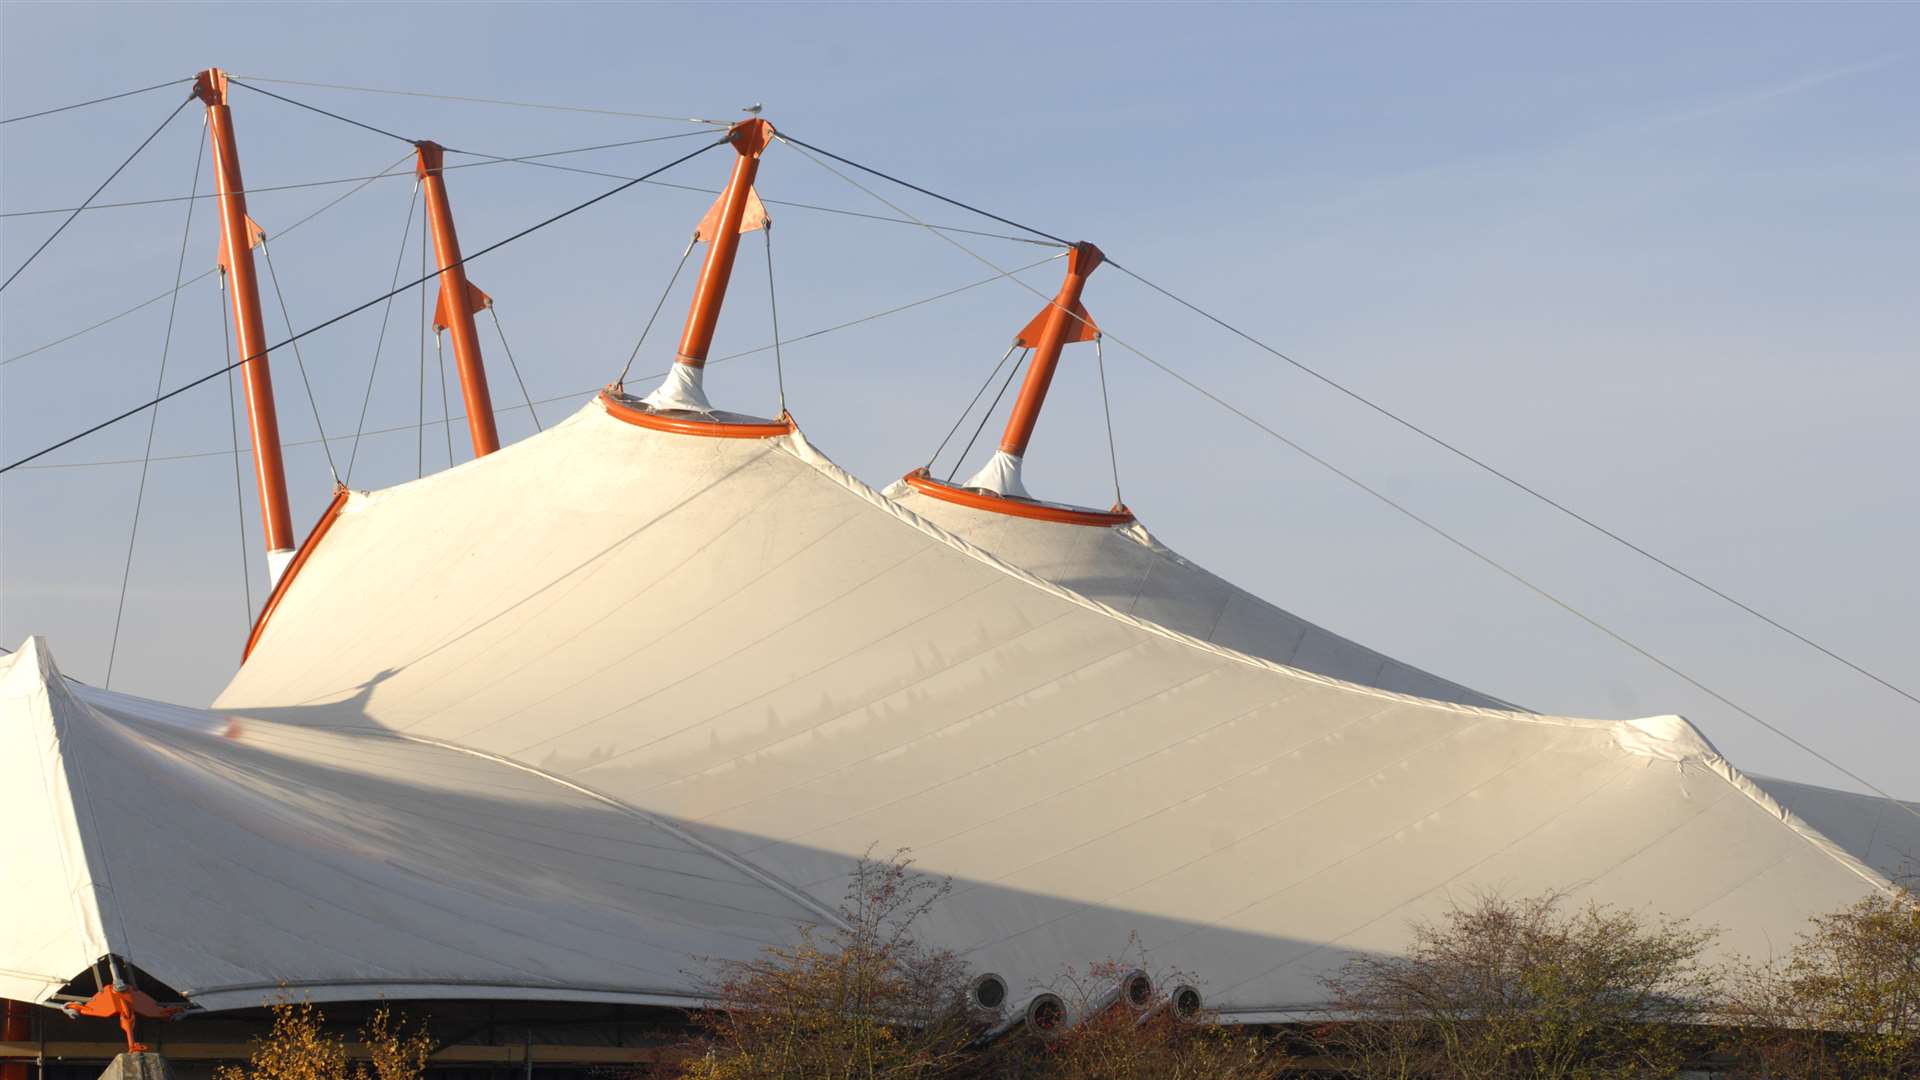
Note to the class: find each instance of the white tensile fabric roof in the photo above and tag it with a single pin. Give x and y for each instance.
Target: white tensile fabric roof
(234, 858)
(1127, 569)
(732, 645)
(1881, 833)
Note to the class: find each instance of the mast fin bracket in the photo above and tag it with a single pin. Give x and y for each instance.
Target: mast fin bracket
(1080, 327)
(443, 316)
(255, 234)
(755, 217)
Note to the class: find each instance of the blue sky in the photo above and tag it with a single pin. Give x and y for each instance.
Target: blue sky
(1656, 260)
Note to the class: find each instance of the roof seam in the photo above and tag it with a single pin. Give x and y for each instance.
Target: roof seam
(1719, 766)
(738, 862)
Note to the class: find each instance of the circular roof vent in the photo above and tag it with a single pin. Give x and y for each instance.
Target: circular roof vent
(987, 992)
(1046, 1015)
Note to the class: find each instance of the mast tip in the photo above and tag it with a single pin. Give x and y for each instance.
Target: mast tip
(751, 136)
(210, 86)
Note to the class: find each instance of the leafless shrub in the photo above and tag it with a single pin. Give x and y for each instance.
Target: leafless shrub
(866, 1001)
(1506, 988)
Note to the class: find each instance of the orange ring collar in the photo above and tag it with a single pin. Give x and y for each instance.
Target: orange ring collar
(620, 409)
(922, 481)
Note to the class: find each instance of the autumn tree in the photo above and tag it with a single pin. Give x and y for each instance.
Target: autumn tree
(1844, 1002)
(396, 1047)
(299, 1047)
(1503, 988)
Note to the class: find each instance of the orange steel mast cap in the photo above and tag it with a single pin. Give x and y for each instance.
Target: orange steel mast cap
(459, 299)
(1062, 321)
(750, 138)
(210, 86)
(238, 234)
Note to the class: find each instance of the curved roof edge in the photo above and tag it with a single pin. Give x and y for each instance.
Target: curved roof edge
(1669, 738)
(252, 997)
(797, 444)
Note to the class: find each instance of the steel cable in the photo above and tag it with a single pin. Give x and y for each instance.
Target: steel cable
(420, 433)
(621, 379)
(1522, 486)
(233, 427)
(95, 101)
(560, 397)
(491, 101)
(968, 411)
(380, 342)
(1389, 501)
(524, 159)
(165, 199)
(1418, 430)
(490, 160)
(446, 407)
(153, 419)
(531, 160)
(773, 311)
(350, 312)
(1106, 409)
(988, 415)
(330, 204)
(930, 194)
(299, 361)
(96, 194)
(493, 310)
(324, 112)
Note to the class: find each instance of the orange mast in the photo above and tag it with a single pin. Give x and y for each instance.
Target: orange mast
(238, 234)
(737, 210)
(1062, 321)
(750, 138)
(997, 486)
(458, 301)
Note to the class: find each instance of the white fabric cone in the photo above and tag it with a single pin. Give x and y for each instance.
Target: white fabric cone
(680, 391)
(1000, 475)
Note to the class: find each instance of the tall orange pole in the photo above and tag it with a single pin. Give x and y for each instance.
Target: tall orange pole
(457, 301)
(16, 1025)
(1064, 320)
(750, 139)
(249, 329)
